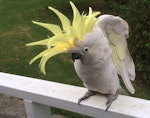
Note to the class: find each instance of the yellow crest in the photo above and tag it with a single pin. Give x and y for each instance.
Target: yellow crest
(64, 38)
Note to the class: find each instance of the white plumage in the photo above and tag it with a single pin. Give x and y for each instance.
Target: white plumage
(102, 55)
(116, 30)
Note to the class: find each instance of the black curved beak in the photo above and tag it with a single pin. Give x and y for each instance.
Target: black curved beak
(76, 56)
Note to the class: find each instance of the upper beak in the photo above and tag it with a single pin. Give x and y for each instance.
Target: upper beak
(76, 56)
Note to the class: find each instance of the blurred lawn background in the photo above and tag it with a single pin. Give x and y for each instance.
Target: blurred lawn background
(17, 29)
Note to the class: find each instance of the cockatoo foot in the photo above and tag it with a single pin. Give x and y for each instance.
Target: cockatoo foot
(110, 99)
(88, 94)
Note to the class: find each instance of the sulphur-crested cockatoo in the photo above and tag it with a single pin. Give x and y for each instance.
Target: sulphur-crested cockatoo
(98, 48)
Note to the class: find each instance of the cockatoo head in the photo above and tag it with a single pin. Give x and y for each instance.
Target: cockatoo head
(67, 37)
(92, 49)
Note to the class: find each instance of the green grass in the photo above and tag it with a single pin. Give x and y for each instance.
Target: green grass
(17, 29)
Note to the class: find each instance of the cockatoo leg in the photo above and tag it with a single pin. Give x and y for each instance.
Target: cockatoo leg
(88, 94)
(110, 99)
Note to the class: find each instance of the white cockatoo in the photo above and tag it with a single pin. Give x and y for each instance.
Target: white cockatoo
(98, 48)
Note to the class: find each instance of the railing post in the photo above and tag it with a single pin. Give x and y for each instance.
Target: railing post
(36, 110)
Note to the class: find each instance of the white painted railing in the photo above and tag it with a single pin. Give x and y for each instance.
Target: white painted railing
(39, 95)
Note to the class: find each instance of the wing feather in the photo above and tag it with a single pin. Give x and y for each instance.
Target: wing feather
(130, 66)
(116, 30)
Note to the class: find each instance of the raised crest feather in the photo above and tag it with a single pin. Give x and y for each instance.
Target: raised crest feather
(63, 38)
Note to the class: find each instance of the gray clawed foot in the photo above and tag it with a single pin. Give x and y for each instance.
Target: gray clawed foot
(88, 94)
(110, 99)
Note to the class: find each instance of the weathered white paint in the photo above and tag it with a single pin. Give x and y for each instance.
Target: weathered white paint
(66, 96)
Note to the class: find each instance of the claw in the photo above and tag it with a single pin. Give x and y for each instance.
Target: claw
(88, 94)
(110, 98)
(81, 99)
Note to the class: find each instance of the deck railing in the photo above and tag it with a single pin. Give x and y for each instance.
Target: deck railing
(40, 95)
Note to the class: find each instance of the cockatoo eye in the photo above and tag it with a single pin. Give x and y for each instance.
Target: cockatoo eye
(85, 49)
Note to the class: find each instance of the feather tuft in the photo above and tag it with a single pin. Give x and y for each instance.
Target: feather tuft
(64, 38)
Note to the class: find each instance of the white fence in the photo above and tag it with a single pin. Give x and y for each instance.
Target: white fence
(40, 95)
